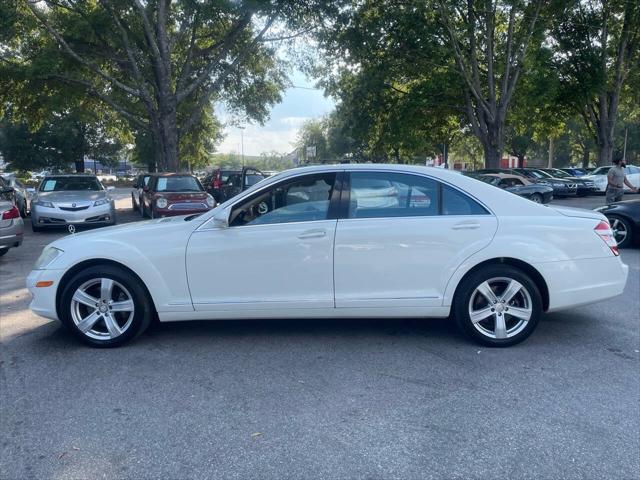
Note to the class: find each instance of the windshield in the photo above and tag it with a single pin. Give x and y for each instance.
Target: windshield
(488, 179)
(559, 173)
(178, 184)
(64, 184)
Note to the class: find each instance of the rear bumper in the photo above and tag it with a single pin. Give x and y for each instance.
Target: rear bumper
(12, 235)
(573, 283)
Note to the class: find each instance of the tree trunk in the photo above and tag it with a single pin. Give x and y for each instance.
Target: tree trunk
(585, 156)
(605, 154)
(79, 165)
(493, 144)
(520, 160)
(169, 129)
(551, 153)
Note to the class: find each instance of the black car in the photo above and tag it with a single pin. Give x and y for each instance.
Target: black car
(535, 192)
(561, 186)
(224, 184)
(624, 218)
(585, 187)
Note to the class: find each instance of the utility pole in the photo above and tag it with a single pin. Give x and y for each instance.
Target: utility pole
(624, 149)
(242, 143)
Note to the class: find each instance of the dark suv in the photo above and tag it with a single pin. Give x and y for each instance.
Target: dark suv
(224, 184)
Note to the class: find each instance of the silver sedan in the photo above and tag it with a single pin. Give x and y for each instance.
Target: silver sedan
(76, 199)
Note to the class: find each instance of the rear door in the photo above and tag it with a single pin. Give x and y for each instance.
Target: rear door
(403, 237)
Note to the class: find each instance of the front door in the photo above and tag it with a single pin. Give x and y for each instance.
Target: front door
(404, 236)
(277, 252)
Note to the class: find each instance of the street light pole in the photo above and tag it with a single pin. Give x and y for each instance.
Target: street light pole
(242, 143)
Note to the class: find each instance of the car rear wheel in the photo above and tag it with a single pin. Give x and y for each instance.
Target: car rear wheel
(105, 306)
(537, 198)
(622, 230)
(498, 306)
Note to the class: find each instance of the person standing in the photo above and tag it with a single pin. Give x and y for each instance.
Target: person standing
(616, 180)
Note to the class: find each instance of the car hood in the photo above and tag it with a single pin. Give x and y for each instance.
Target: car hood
(592, 177)
(128, 232)
(72, 196)
(577, 212)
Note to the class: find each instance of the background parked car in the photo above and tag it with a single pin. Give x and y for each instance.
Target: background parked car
(171, 194)
(599, 177)
(11, 226)
(138, 186)
(519, 185)
(561, 186)
(78, 199)
(575, 171)
(225, 184)
(624, 218)
(20, 192)
(585, 186)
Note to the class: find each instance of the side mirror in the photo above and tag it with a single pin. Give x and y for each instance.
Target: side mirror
(221, 220)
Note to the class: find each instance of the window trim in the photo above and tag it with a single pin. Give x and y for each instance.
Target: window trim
(332, 212)
(346, 185)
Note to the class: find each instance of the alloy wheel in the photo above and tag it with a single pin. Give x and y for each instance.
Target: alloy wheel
(619, 229)
(500, 308)
(102, 309)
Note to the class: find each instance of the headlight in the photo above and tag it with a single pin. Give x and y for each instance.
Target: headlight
(161, 203)
(101, 202)
(41, 203)
(48, 255)
(210, 201)
(558, 184)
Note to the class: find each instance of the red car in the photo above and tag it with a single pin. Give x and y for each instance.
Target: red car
(171, 194)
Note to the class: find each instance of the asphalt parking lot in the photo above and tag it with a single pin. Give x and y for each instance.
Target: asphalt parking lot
(319, 399)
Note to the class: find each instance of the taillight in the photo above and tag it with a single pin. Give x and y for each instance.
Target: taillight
(603, 230)
(217, 183)
(13, 212)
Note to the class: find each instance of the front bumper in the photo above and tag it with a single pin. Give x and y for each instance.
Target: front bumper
(572, 283)
(43, 301)
(173, 212)
(52, 217)
(13, 234)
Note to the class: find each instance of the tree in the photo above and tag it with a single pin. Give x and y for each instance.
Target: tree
(159, 64)
(597, 50)
(489, 42)
(385, 62)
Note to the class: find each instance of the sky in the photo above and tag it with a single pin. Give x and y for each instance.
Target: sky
(279, 132)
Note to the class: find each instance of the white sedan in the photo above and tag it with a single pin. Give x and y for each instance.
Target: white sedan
(599, 177)
(337, 241)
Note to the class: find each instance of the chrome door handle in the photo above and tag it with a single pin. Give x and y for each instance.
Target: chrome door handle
(466, 226)
(312, 234)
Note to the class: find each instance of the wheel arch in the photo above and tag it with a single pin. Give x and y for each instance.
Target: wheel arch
(93, 263)
(531, 271)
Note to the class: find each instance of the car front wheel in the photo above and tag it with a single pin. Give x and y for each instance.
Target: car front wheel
(498, 306)
(105, 306)
(537, 198)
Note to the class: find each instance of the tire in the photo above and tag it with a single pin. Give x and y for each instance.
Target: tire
(469, 298)
(622, 230)
(3, 251)
(117, 327)
(134, 205)
(23, 210)
(143, 210)
(537, 198)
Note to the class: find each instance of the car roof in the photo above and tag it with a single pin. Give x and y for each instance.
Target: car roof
(70, 175)
(170, 174)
